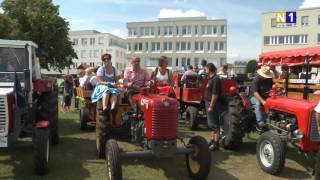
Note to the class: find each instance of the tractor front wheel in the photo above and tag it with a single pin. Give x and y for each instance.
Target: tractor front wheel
(113, 161)
(41, 152)
(192, 118)
(84, 114)
(199, 161)
(101, 135)
(271, 153)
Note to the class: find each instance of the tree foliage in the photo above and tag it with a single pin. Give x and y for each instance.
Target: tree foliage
(38, 21)
(251, 66)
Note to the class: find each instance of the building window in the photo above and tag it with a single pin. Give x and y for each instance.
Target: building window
(177, 46)
(273, 22)
(188, 61)
(101, 40)
(318, 38)
(195, 30)
(319, 19)
(281, 39)
(140, 47)
(75, 42)
(167, 46)
(222, 30)
(183, 46)
(214, 29)
(216, 46)
(132, 31)
(135, 46)
(221, 46)
(129, 46)
(209, 30)
(147, 46)
(146, 31)
(83, 53)
(296, 39)
(177, 62)
(183, 61)
(208, 46)
(84, 41)
(304, 20)
(177, 30)
(186, 30)
(198, 46)
(168, 30)
(92, 41)
(155, 46)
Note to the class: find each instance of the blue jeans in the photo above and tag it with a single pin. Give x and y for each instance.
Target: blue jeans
(258, 109)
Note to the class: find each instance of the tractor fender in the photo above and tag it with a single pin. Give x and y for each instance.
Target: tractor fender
(42, 124)
(43, 85)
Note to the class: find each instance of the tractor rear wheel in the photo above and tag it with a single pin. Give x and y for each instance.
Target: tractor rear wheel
(113, 161)
(41, 152)
(232, 128)
(84, 114)
(317, 167)
(199, 161)
(102, 135)
(271, 153)
(192, 121)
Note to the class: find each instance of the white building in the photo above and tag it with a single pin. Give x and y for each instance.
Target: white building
(182, 40)
(89, 45)
(281, 36)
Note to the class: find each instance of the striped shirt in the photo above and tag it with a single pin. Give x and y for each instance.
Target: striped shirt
(137, 78)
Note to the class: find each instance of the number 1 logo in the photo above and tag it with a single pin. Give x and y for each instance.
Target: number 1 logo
(291, 17)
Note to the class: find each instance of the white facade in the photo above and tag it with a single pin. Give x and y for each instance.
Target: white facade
(281, 36)
(183, 40)
(89, 45)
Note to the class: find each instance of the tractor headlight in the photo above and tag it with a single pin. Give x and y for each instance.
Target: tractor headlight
(298, 134)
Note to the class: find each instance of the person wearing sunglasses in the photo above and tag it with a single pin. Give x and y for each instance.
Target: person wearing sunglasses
(106, 89)
(134, 78)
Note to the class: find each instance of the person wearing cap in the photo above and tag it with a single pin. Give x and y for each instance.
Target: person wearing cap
(261, 86)
(188, 73)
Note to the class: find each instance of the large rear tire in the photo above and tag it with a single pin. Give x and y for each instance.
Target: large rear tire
(41, 152)
(199, 161)
(84, 114)
(233, 131)
(192, 121)
(113, 160)
(271, 153)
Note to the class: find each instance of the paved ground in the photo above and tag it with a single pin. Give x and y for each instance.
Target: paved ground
(75, 158)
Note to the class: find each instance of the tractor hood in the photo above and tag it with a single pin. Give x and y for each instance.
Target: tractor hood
(5, 91)
(288, 105)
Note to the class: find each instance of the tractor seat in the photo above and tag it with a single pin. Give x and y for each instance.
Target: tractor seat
(192, 81)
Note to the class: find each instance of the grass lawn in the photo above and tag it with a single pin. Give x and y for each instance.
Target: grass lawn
(75, 158)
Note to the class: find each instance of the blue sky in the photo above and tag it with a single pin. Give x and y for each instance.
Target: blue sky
(243, 16)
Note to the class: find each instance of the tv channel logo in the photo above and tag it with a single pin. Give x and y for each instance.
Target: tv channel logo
(286, 17)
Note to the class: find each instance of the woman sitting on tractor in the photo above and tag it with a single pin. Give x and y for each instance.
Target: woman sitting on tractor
(162, 75)
(107, 87)
(162, 78)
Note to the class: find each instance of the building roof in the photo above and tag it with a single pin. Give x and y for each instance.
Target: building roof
(301, 9)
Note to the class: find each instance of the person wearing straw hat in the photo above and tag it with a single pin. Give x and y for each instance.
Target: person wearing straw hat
(261, 85)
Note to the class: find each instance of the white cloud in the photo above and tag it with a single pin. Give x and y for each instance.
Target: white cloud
(171, 13)
(76, 20)
(1, 10)
(310, 3)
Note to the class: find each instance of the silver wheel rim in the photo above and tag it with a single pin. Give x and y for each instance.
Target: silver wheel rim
(266, 153)
(109, 165)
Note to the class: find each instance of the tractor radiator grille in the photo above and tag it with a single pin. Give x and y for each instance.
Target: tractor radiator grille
(315, 131)
(164, 123)
(3, 115)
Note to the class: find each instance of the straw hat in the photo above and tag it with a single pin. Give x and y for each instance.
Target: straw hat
(265, 72)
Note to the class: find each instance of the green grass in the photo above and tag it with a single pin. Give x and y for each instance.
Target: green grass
(75, 158)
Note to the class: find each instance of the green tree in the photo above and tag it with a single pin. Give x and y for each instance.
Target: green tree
(251, 66)
(40, 22)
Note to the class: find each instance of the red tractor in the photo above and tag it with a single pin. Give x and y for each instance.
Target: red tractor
(29, 107)
(289, 121)
(153, 124)
(236, 118)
